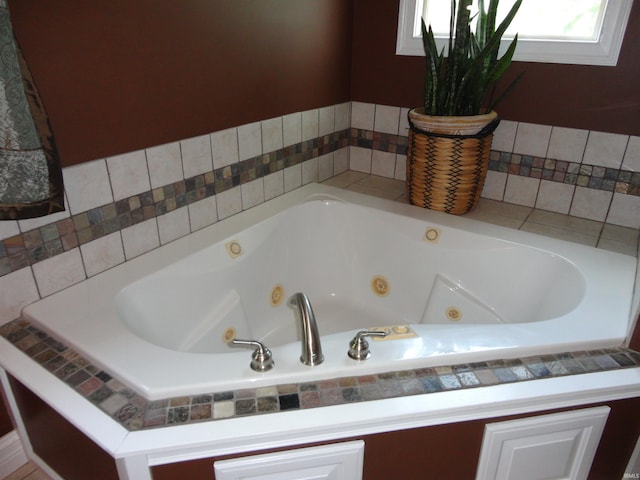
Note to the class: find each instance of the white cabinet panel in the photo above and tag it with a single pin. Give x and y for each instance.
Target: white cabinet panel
(555, 446)
(339, 461)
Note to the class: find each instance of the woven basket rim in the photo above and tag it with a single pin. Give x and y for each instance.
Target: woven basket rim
(450, 124)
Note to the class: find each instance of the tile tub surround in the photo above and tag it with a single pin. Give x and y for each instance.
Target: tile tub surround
(135, 413)
(124, 206)
(586, 174)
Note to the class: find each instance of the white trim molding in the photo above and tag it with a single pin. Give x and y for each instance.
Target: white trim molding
(604, 51)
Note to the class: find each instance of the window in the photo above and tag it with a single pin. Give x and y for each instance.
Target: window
(587, 32)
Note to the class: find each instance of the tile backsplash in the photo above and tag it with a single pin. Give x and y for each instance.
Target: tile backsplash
(123, 206)
(587, 174)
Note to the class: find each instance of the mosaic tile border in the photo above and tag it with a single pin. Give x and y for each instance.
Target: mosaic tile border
(136, 413)
(35, 245)
(590, 176)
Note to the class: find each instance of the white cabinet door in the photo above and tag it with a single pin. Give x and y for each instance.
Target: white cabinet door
(339, 461)
(555, 446)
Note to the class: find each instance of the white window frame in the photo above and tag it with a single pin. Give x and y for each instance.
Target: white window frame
(603, 51)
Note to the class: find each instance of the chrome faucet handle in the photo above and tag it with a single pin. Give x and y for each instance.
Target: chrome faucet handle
(359, 347)
(261, 358)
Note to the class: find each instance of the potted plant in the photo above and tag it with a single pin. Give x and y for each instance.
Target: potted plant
(450, 136)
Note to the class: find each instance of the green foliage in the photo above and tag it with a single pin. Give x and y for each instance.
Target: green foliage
(460, 83)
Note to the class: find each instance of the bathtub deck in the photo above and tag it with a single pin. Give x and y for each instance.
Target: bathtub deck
(135, 413)
(565, 227)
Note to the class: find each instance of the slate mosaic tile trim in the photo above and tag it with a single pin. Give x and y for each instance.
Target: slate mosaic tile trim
(134, 412)
(572, 173)
(30, 247)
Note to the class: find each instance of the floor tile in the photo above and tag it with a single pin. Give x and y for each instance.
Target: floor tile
(345, 179)
(553, 219)
(510, 210)
(560, 233)
(488, 216)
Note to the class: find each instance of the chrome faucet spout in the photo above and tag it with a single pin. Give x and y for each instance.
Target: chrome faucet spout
(311, 346)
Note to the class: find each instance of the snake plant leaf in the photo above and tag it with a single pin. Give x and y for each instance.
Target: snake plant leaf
(506, 91)
(458, 84)
(434, 63)
(500, 67)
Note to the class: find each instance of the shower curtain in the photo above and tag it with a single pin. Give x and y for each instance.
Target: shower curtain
(30, 171)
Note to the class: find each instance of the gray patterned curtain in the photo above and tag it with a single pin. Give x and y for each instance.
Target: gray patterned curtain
(30, 171)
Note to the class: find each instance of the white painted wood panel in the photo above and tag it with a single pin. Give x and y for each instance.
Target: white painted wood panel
(339, 461)
(559, 446)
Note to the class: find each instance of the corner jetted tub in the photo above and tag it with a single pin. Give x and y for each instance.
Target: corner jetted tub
(448, 289)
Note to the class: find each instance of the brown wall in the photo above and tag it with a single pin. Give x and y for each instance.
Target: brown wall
(62, 446)
(121, 76)
(595, 98)
(6, 424)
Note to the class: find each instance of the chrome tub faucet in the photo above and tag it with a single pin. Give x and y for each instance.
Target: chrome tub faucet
(311, 346)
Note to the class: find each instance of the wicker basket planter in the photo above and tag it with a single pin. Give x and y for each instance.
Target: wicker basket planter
(447, 160)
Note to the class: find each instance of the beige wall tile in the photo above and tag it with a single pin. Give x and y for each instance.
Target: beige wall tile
(310, 171)
(387, 119)
(273, 185)
(101, 254)
(326, 120)
(203, 213)
(401, 168)
(360, 159)
(165, 164)
(567, 144)
(362, 115)
(342, 116)
(17, 290)
(341, 160)
(272, 139)
(173, 225)
(9, 228)
(521, 190)
(505, 136)
(310, 124)
(325, 167)
(59, 272)
(224, 147)
(625, 211)
(129, 174)
(252, 193)
(140, 238)
(87, 186)
(532, 139)
(590, 203)
(292, 129)
(494, 185)
(292, 177)
(605, 149)
(383, 164)
(555, 196)
(229, 202)
(631, 159)
(249, 141)
(196, 155)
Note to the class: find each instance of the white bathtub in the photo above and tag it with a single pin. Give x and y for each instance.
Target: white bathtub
(467, 291)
